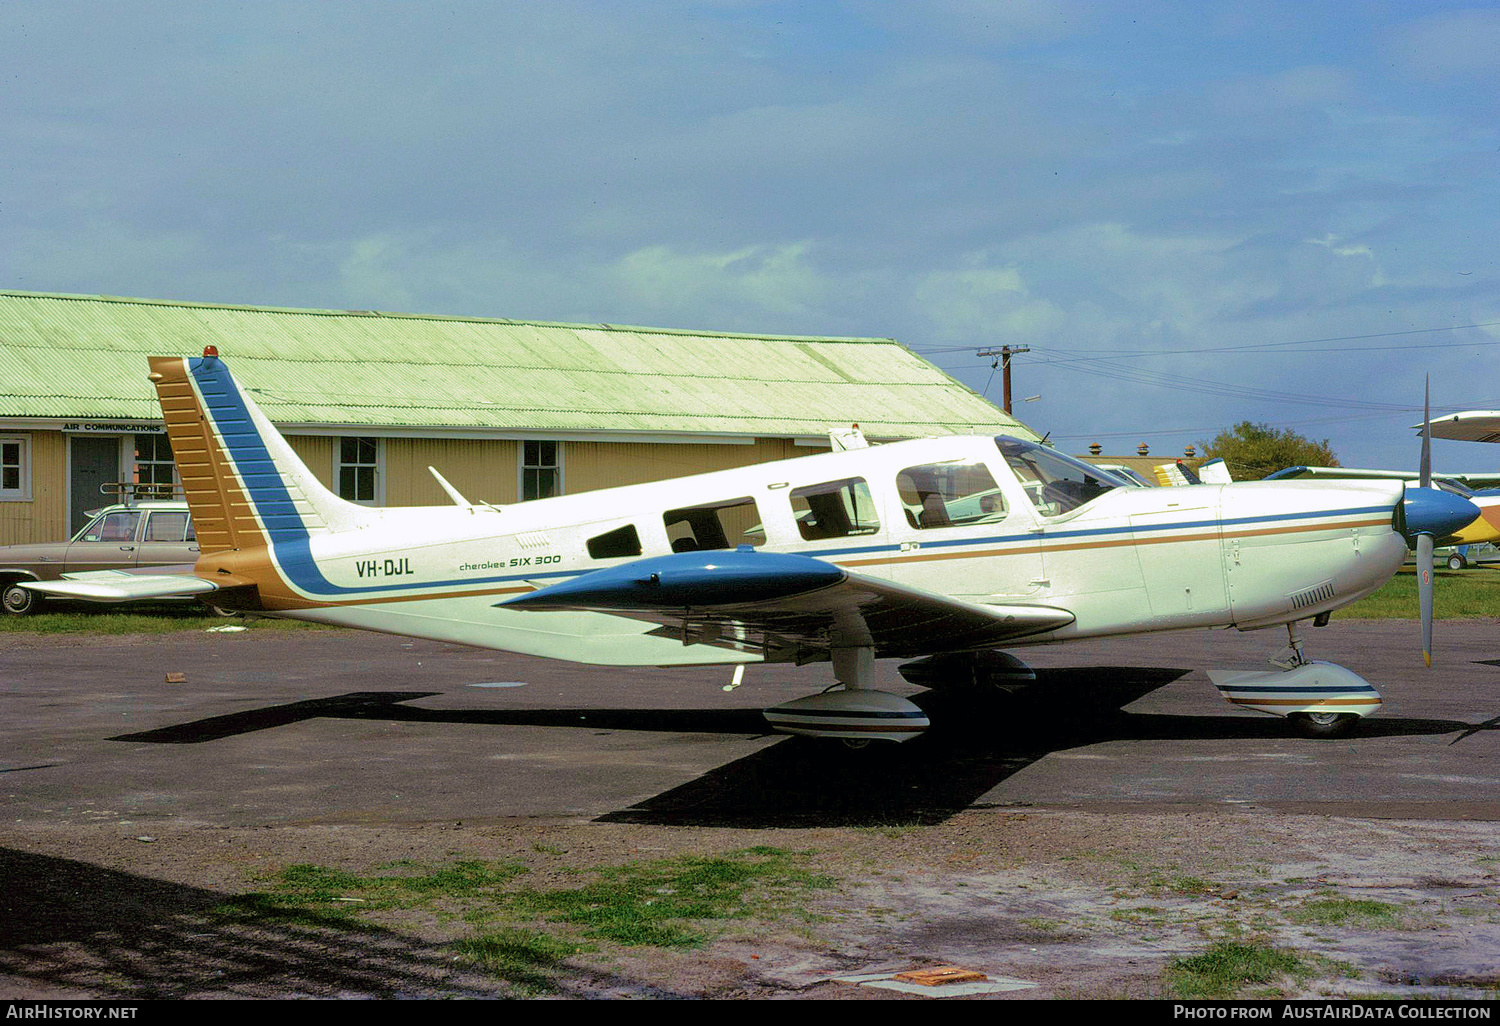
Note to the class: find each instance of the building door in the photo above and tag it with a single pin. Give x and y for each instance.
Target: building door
(92, 462)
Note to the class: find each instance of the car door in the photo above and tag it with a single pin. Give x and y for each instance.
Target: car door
(110, 542)
(167, 539)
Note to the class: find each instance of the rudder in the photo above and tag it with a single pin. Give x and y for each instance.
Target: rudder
(244, 484)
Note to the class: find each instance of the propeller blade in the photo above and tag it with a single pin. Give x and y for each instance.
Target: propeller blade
(1424, 592)
(1426, 470)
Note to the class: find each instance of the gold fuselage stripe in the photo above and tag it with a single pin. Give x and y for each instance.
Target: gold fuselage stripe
(914, 557)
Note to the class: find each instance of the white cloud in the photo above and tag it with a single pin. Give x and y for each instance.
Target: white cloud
(775, 280)
(979, 303)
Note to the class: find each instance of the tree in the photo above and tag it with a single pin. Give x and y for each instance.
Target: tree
(1254, 450)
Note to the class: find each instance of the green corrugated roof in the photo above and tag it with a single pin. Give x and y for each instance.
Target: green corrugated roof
(84, 356)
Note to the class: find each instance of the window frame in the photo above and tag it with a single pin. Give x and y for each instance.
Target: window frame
(22, 491)
(857, 528)
(376, 467)
(153, 489)
(947, 487)
(523, 466)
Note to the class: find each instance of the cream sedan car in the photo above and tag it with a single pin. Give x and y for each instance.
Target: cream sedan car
(117, 538)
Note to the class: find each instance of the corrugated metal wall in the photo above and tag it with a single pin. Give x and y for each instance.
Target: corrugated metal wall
(45, 517)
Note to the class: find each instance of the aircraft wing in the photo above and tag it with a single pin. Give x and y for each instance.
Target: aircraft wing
(1345, 473)
(1476, 480)
(130, 586)
(1470, 426)
(791, 605)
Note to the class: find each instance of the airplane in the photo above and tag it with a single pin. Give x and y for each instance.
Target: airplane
(945, 551)
(1175, 475)
(1469, 426)
(1478, 488)
(1483, 528)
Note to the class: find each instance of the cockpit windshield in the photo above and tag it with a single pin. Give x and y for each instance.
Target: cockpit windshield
(1055, 483)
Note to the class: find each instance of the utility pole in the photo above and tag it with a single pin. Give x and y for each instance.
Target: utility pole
(1004, 353)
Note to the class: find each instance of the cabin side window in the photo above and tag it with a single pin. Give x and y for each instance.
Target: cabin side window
(714, 525)
(834, 509)
(1056, 484)
(622, 541)
(953, 494)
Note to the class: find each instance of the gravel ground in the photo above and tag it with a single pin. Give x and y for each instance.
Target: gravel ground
(1063, 902)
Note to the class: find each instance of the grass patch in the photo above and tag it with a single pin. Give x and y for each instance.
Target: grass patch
(522, 934)
(1345, 912)
(1229, 966)
(1457, 594)
(660, 903)
(527, 959)
(319, 894)
(136, 618)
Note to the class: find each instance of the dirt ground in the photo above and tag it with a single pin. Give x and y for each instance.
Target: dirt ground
(1050, 902)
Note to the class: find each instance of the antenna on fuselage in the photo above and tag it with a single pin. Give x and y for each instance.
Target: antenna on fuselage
(453, 493)
(458, 500)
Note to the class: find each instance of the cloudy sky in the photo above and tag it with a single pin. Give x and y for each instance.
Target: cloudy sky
(1193, 214)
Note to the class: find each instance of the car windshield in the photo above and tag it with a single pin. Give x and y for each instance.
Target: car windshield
(1055, 483)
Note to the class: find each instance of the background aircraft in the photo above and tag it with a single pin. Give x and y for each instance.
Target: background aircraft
(1470, 426)
(943, 550)
(1478, 488)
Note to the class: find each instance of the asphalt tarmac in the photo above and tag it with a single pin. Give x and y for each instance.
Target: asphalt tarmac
(280, 728)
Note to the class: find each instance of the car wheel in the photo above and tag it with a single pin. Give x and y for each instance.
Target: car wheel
(19, 601)
(1456, 562)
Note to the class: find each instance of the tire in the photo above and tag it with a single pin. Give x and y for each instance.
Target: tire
(1456, 562)
(19, 601)
(1323, 724)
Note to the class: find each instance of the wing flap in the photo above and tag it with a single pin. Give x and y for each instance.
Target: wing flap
(793, 606)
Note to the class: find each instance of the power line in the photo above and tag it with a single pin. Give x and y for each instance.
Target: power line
(1254, 346)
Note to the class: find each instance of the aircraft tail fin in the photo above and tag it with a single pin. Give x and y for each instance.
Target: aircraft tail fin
(244, 484)
(1215, 471)
(1176, 474)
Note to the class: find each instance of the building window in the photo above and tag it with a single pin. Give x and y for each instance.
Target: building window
(541, 470)
(15, 469)
(155, 473)
(358, 470)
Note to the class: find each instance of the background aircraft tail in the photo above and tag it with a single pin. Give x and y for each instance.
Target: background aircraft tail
(246, 487)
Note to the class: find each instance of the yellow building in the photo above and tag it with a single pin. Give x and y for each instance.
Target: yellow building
(505, 410)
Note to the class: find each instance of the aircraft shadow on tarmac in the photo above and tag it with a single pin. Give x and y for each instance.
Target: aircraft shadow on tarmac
(976, 742)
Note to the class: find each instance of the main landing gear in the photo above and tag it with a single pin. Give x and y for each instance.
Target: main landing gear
(1318, 699)
(854, 713)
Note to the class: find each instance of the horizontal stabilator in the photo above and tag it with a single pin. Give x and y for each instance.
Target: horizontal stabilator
(721, 577)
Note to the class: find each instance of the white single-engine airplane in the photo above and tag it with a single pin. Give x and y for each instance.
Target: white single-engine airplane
(941, 549)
